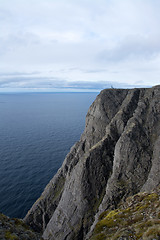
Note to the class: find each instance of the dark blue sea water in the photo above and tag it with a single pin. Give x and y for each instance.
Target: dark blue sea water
(37, 130)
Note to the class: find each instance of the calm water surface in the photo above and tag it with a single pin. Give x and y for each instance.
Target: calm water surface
(37, 130)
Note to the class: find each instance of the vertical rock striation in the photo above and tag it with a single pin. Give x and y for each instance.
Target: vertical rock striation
(117, 156)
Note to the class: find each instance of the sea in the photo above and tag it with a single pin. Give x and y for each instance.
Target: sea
(37, 130)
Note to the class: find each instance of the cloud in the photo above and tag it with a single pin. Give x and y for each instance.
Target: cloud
(98, 85)
(56, 83)
(132, 47)
(94, 70)
(31, 82)
(7, 74)
(79, 41)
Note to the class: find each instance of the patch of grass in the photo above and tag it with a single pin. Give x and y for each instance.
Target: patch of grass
(11, 236)
(151, 197)
(20, 223)
(137, 218)
(152, 233)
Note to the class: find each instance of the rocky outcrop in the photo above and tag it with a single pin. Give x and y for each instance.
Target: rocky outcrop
(16, 229)
(117, 156)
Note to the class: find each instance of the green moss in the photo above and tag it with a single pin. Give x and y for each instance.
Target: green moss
(137, 218)
(127, 210)
(104, 214)
(100, 236)
(11, 236)
(141, 207)
(109, 221)
(15, 229)
(151, 197)
(112, 214)
(20, 223)
(151, 233)
(139, 235)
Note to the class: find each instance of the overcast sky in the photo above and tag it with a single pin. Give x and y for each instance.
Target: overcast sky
(79, 44)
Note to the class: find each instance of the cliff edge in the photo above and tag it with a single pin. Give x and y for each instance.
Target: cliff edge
(117, 156)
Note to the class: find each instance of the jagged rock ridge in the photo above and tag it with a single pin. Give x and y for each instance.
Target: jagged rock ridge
(118, 155)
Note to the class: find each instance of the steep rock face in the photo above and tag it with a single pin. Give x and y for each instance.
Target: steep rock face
(118, 155)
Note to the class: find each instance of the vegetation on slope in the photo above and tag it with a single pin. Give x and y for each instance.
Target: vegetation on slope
(16, 229)
(137, 218)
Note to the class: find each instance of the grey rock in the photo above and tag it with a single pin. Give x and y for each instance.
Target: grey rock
(118, 155)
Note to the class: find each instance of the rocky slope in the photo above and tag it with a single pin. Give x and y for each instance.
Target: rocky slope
(16, 229)
(117, 156)
(136, 218)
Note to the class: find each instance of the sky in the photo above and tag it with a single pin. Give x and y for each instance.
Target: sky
(79, 45)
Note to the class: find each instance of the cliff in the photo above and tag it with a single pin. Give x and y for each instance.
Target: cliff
(117, 156)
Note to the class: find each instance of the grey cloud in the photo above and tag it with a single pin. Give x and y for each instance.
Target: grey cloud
(5, 15)
(94, 70)
(99, 85)
(7, 74)
(31, 82)
(87, 70)
(14, 41)
(130, 49)
(42, 82)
